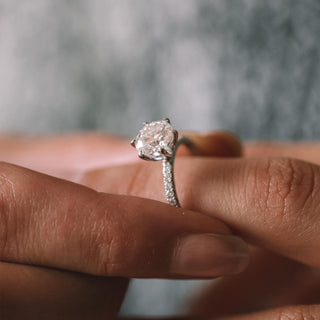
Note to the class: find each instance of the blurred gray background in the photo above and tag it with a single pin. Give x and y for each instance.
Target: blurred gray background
(243, 65)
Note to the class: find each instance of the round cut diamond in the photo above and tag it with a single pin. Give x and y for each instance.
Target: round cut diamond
(155, 139)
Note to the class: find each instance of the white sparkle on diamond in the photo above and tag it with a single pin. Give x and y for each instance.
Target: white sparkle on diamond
(154, 137)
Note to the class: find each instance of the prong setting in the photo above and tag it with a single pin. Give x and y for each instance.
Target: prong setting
(166, 153)
(141, 155)
(176, 136)
(156, 140)
(144, 157)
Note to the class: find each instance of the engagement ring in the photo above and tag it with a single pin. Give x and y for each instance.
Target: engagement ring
(159, 141)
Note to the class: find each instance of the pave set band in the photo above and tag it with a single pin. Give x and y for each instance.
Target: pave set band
(157, 141)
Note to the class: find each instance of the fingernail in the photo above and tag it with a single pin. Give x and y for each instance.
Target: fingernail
(209, 255)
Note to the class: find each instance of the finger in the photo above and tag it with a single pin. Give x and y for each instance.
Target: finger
(307, 151)
(29, 292)
(290, 312)
(271, 202)
(66, 156)
(214, 143)
(166, 318)
(270, 281)
(284, 313)
(51, 222)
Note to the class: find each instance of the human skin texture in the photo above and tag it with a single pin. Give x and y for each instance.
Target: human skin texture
(270, 201)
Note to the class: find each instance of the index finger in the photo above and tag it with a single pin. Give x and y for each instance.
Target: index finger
(51, 222)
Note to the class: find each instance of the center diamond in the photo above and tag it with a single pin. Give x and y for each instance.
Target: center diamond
(156, 140)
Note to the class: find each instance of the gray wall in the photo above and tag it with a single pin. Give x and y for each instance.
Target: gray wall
(248, 66)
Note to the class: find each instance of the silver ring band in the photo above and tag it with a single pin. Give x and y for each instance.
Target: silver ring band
(158, 141)
(168, 174)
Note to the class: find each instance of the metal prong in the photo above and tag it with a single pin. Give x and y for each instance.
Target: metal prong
(166, 119)
(143, 157)
(166, 153)
(176, 136)
(133, 142)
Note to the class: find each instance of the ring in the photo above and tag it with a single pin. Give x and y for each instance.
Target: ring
(157, 141)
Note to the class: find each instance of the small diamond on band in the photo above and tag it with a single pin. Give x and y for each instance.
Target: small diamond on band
(159, 141)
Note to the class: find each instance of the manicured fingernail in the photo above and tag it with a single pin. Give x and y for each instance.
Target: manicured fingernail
(209, 255)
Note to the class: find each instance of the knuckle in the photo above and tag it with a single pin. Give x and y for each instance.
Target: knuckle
(3, 227)
(104, 246)
(8, 226)
(110, 258)
(285, 188)
(18, 211)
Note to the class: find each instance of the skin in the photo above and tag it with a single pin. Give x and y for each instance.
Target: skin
(56, 236)
(269, 201)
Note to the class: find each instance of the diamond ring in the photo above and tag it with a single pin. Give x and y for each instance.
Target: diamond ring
(159, 141)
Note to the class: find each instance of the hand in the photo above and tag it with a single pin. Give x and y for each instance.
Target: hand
(270, 200)
(52, 230)
(242, 292)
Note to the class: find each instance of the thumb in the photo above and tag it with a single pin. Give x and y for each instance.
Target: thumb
(289, 312)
